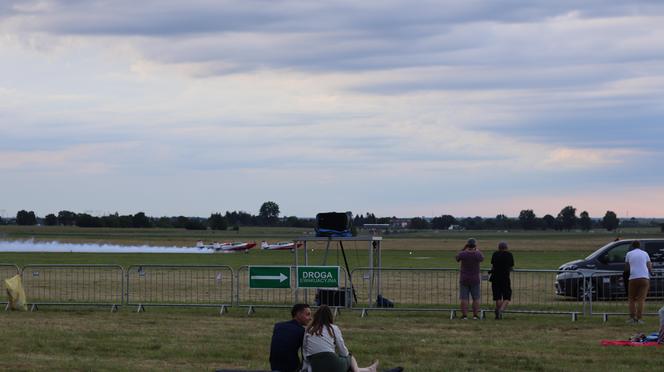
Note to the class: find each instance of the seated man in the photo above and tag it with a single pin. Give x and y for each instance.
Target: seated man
(287, 340)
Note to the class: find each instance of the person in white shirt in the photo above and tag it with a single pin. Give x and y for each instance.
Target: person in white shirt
(322, 341)
(639, 267)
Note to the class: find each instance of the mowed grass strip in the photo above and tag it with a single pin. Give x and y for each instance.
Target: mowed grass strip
(194, 339)
(357, 257)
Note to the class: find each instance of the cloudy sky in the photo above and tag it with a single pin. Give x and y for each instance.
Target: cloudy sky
(400, 108)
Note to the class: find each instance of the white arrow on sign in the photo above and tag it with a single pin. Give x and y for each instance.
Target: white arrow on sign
(280, 278)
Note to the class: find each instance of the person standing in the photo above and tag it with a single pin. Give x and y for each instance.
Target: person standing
(287, 340)
(469, 277)
(502, 263)
(639, 267)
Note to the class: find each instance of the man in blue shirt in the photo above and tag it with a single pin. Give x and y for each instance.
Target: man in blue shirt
(287, 340)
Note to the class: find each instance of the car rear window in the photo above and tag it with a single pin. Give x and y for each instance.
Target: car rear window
(655, 251)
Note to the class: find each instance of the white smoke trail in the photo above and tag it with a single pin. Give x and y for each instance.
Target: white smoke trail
(55, 246)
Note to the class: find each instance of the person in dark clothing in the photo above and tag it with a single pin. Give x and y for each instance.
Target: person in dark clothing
(287, 340)
(502, 263)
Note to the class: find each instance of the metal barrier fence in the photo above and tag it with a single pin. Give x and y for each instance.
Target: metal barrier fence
(6, 271)
(180, 285)
(433, 289)
(98, 285)
(608, 293)
(286, 297)
(438, 289)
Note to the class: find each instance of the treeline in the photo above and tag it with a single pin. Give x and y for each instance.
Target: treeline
(566, 219)
(267, 216)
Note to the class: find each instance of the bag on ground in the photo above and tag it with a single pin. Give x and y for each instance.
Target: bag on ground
(16, 293)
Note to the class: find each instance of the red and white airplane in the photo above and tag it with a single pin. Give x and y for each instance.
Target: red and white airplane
(279, 246)
(226, 247)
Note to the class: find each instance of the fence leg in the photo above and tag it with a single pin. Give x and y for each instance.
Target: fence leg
(33, 307)
(114, 308)
(575, 316)
(364, 313)
(140, 308)
(223, 310)
(605, 317)
(483, 314)
(251, 310)
(452, 314)
(7, 307)
(336, 311)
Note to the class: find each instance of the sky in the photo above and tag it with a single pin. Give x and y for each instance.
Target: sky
(391, 107)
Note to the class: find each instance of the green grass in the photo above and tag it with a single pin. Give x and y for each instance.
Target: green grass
(532, 249)
(356, 258)
(57, 338)
(171, 339)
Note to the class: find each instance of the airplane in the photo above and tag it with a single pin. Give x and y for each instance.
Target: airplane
(227, 247)
(279, 246)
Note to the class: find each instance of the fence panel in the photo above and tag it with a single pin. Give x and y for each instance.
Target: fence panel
(284, 297)
(609, 293)
(73, 284)
(417, 289)
(180, 285)
(542, 291)
(6, 271)
(438, 289)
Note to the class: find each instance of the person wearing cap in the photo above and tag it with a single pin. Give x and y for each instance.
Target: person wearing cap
(502, 263)
(639, 267)
(469, 277)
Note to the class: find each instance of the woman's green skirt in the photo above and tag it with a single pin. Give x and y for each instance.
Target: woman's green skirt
(329, 362)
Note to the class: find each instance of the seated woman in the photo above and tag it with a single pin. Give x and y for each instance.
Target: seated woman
(322, 340)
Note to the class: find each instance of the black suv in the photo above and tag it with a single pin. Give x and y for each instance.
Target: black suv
(600, 274)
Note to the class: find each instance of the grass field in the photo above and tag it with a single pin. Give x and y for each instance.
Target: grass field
(199, 339)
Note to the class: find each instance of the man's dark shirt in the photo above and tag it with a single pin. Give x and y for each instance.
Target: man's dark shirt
(502, 263)
(286, 343)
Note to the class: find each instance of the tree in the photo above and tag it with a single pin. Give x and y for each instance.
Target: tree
(548, 222)
(418, 223)
(50, 220)
(443, 222)
(585, 223)
(66, 218)
(237, 218)
(86, 220)
(217, 222)
(180, 222)
(140, 220)
(610, 221)
(474, 223)
(567, 218)
(527, 219)
(195, 224)
(502, 222)
(269, 213)
(26, 218)
(164, 222)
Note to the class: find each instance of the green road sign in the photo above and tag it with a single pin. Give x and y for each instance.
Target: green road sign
(269, 277)
(318, 276)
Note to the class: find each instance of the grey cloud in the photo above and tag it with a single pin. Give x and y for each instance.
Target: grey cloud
(164, 17)
(332, 36)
